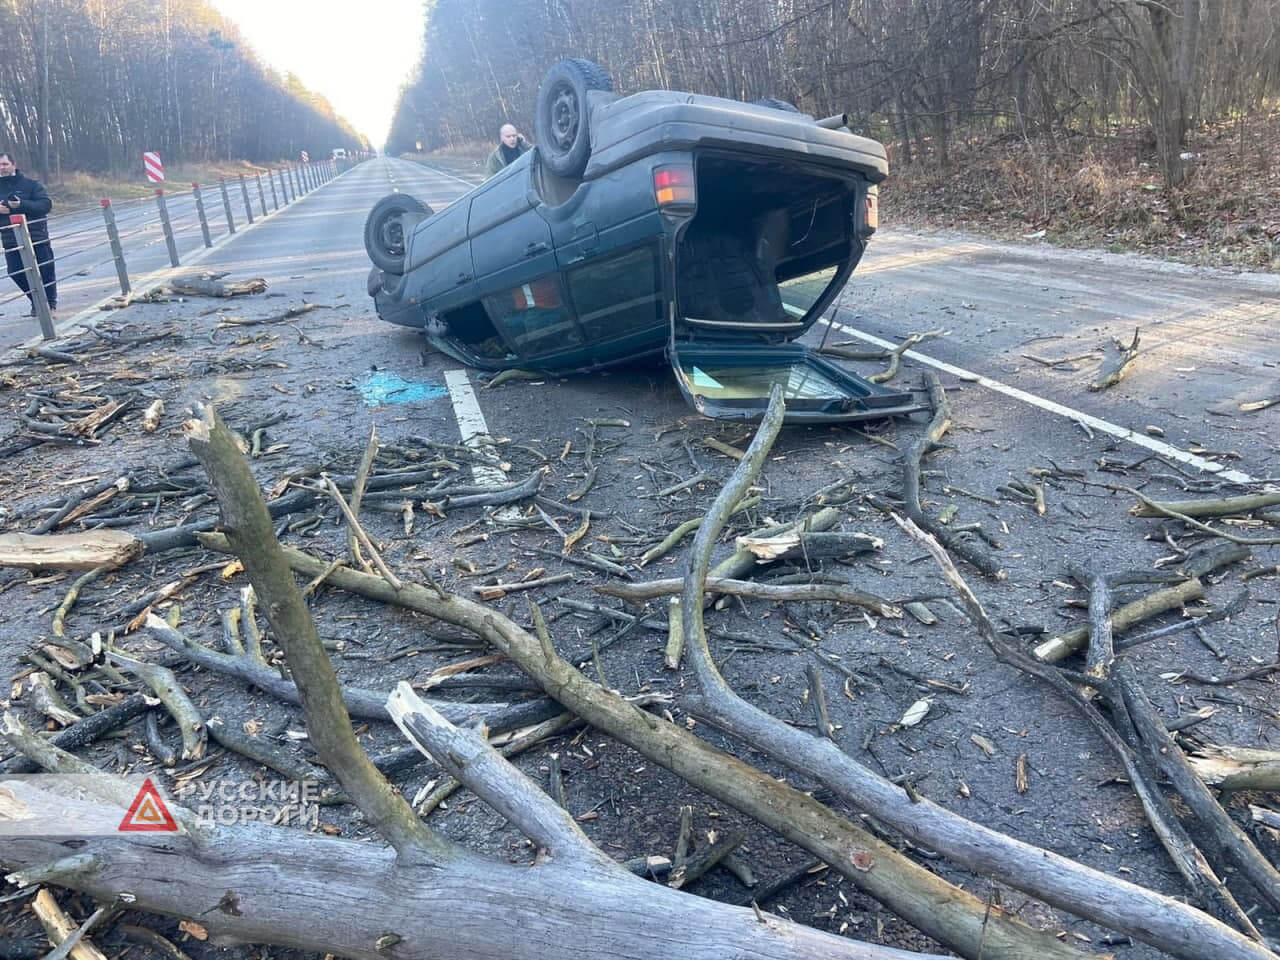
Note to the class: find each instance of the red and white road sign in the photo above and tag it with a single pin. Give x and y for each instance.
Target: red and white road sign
(305, 158)
(155, 169)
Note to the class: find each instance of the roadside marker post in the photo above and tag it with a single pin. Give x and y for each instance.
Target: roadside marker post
(168, 227)
(153, 167)
(226, 205)
(117, 252)
(35, 282)
(204, 221)
(244, 190)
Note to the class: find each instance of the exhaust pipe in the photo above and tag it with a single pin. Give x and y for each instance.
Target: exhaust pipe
(836, 122)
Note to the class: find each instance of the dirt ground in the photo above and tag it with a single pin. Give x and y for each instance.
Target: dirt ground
(332, 373)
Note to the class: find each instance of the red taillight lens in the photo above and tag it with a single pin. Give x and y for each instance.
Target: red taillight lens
(674, 185)
(871, 215)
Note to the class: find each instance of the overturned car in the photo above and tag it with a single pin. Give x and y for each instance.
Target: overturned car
(713, 230)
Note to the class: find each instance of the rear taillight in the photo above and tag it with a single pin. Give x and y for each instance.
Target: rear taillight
(674, 186)
(870, 211)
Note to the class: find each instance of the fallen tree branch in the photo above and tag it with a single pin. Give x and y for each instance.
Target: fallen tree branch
(1149, 916)
(942, 910)
(1112, 372)
(249, 530)
(69, 551)
(834, 592)
(1191, 863)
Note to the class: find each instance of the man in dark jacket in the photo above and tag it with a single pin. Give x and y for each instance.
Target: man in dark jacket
(21, 194)
(510, 146)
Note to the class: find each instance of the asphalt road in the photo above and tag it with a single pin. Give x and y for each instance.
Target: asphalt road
(82, 253)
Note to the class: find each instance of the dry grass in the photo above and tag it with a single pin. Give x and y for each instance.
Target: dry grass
(1109, 193)
(76, 189)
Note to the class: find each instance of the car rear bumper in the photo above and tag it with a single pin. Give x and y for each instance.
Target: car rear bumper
(646, 123)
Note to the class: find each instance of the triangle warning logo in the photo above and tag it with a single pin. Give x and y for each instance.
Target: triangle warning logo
(148, 812)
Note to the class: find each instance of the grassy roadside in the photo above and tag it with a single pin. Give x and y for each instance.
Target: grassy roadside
(79, 190)
(1107, 193)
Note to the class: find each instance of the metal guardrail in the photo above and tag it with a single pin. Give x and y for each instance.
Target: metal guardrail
(294, 180)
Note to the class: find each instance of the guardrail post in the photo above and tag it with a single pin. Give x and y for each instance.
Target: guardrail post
(113, 237)
(307, 183)
(168, 227)
(226, 205)
(204, 221)
(244, 190)
(284, 186)
(262, 197)
(35, 283)
(275, 201)
(293, 179)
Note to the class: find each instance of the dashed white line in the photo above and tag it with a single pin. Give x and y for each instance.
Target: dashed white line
(1051, 406)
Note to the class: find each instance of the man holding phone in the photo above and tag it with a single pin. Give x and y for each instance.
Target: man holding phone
(21, 194)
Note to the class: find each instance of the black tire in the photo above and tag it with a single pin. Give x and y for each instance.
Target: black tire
(384, 229)
(560, 121)
(776, 104)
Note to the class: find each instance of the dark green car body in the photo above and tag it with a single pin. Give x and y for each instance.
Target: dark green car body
(713, 230)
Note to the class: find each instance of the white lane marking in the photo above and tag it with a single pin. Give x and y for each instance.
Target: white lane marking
(471, 425)
(1050, 406)
(469, 183)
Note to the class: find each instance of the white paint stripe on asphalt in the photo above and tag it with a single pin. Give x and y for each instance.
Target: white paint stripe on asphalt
(1051, 406)
(475, 432)
(437, 170)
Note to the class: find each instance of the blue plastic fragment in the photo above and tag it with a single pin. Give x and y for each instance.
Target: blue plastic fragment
(380, 387)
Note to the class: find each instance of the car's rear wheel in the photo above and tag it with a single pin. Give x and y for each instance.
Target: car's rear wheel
(386, 227)
(561, 119)
(776, 104)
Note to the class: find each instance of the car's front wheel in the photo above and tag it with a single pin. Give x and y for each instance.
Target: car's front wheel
(561, 119)
(386, 229)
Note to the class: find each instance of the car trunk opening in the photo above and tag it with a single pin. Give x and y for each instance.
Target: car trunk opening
(768, 247)
(761, 228)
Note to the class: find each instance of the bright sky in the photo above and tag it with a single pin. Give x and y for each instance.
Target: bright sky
(356, 54)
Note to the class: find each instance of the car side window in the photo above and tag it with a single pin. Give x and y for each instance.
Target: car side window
(535, 317)
(619, 296)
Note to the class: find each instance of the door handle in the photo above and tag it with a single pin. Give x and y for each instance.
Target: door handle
(533, 249)
(463, 278)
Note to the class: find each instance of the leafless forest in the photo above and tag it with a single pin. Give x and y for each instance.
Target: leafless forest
(920, 74)
(96, 82)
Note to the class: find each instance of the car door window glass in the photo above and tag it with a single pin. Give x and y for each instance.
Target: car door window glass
(618, 297)
(801, 293)
(535, 317)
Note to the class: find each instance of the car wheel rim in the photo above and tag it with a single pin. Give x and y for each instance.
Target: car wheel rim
(564, 118)
(392, 236)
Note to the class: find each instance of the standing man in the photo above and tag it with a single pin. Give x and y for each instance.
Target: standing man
(21, 194)
(510, 145)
